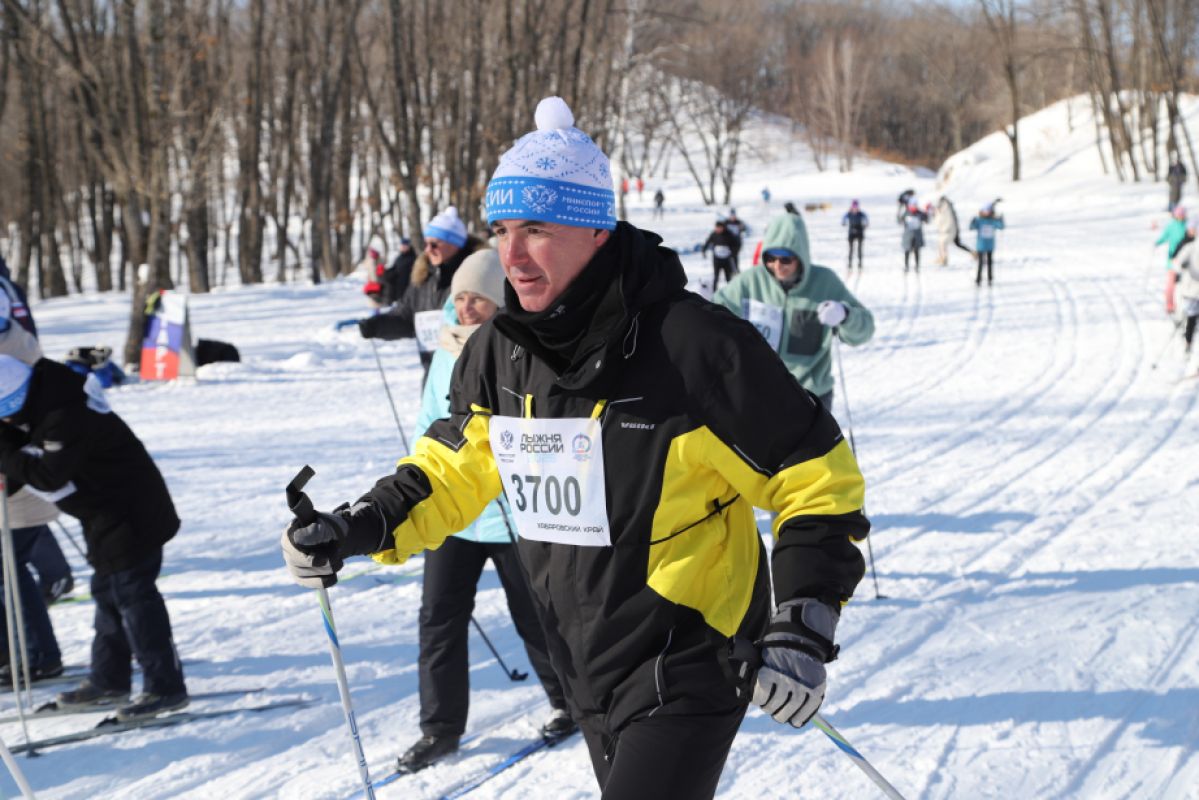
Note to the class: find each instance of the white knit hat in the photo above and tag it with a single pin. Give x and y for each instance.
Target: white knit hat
(554, 174)
(447, 227)
(481, 273)
(14, 384)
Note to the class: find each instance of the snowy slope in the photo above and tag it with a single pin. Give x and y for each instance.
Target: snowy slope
(1032, 482)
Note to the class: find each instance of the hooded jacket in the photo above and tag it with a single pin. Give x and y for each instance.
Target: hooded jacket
(86, 458)
(427, 292)
(690, 446)
(802, 341)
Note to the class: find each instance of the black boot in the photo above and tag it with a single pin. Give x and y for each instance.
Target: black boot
(558, 726)
(427, 751)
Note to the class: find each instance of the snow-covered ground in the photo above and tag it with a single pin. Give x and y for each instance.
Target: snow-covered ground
(1033, 483)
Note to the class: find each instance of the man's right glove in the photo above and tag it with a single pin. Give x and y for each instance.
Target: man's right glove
(798, 643)
(311, 551)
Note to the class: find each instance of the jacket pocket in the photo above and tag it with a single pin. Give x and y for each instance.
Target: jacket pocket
(805, 335)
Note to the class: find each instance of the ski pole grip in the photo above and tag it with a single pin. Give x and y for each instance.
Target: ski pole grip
(297, 501)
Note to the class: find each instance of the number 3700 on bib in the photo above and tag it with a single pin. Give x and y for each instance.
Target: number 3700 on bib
(553, 475)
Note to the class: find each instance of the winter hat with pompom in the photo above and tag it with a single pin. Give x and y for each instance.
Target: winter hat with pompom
(554, 174)
(14, 384)
(447, 227)
(481, 274)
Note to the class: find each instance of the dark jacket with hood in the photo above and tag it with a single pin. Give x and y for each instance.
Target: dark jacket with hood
(700, 422)
(67, 443)
(397, 278)
(427, 292)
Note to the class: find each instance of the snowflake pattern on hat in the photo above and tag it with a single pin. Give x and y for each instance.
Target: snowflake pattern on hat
(554, 174)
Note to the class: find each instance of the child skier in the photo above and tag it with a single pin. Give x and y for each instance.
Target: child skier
(913, 234)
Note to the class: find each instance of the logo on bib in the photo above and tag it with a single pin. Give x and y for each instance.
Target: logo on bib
(506, 439)
(581, 445)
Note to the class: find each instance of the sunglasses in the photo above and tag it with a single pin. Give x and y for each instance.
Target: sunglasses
(784, 260)
(432, 244)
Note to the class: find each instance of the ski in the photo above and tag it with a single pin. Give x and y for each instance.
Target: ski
(481, 777)
(113, 725)
(73, 673)
(51, 708)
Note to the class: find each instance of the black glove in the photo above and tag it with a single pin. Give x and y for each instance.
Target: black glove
(315, 551)
(369, 327)
(798, 643)
(312, 552)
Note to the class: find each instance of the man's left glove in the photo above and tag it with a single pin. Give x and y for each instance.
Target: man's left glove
(312, 552)
(798, 643)
(831, 313)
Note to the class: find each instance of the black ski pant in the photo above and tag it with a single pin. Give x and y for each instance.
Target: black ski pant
(1188, 333)
(663, 756)
(447, 600)
(132, 621)
(915, 251)
(985, 257)
(722, 265)
(39, 633)
(859, 240)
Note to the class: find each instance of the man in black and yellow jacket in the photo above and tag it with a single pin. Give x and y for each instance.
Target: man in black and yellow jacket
(633, 427)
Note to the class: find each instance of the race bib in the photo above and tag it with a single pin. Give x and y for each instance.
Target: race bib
(722, 251)
(986, 231)
(914, 223)
(553, 476)
(428, 329)
(767, 319)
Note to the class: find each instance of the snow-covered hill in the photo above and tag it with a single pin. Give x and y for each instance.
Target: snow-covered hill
(1033, 484)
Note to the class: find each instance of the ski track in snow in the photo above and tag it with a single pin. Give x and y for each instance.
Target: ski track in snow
(1032, 483)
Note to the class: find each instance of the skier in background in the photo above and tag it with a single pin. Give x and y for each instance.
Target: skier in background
(452, 571)
(659, 199)
(739, 230)
(988, 225)
(913, 234)
(904, 200)
(418, 314)
(1172, 236)
(1185, 267)
(856, 221)
(656, 634)
(1176, 176)
(398, 276)
(948, 231)
(722, 243)
(60, 436)
(798, 306)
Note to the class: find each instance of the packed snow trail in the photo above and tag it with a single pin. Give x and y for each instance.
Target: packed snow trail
(1032, 484)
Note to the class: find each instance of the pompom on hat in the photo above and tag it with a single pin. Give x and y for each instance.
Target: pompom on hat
(14, 384)
(447, 227)
(554, 174)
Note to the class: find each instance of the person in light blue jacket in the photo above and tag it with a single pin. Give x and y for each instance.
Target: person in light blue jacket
(987, 225)
(452, 571)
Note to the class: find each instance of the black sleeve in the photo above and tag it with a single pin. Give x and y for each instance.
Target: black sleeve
(394, 324)
(54, 457)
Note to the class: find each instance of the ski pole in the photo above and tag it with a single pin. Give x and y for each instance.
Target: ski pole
(1166, 344)
(14, 769)
(854, 447)
(301, 507)
(12, 615)
(858, 759)
(514, 675)
(390, 400)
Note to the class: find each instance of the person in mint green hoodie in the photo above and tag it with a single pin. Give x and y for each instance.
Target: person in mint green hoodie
(1172, 236)
(452, 571)
(798, 306)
